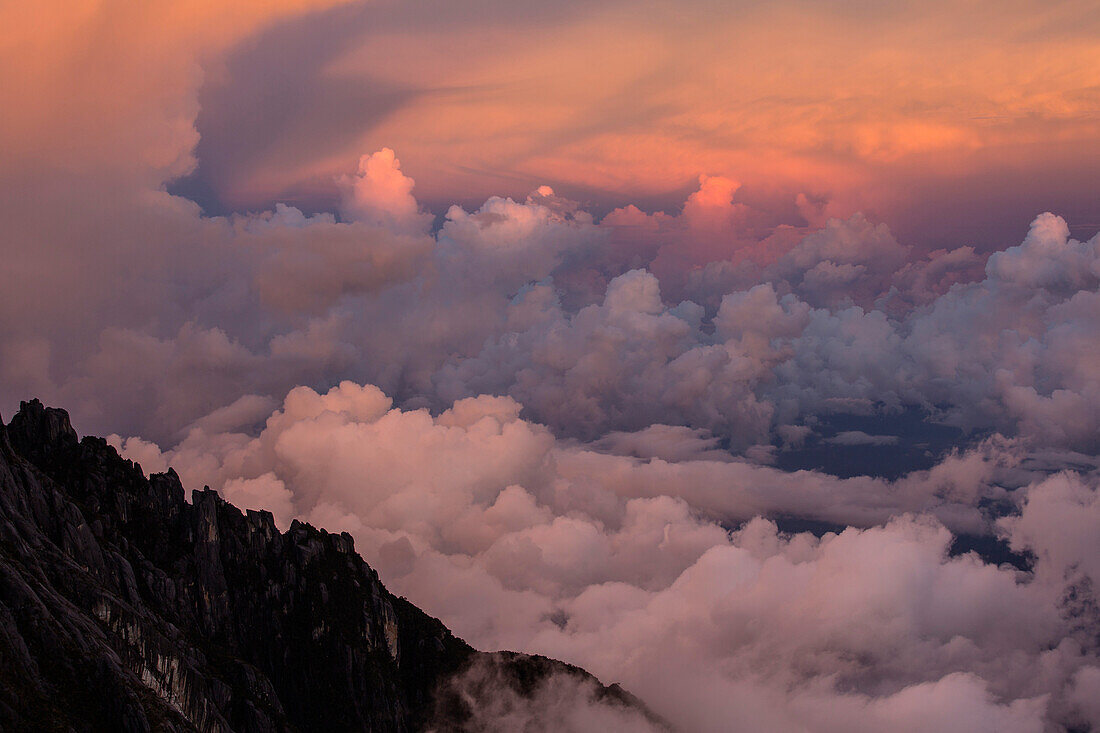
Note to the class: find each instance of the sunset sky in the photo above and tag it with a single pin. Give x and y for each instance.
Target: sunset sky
(690, 342)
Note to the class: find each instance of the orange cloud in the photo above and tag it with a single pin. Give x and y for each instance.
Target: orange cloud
(618, 101)
(98, 84)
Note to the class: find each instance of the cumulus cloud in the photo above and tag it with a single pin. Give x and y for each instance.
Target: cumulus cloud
(1058, 524)
(381, 194)
(539, 301)
(563, 433)
(897, 335)
(627, 565)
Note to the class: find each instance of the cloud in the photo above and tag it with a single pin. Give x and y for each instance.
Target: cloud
(308, 265)
(719, 319)
(625, 565)
(560, 432)
(773, 357)
(560, 701)
(858, 437)
(1083, 696)
(1058, 524)
(521, 299)
(382, 195)
(796, 108)
(672, 443)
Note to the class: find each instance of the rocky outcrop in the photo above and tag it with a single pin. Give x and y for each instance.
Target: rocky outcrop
(124, 607)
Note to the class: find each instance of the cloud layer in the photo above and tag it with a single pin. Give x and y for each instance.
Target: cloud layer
(729, 453)
(627, 566)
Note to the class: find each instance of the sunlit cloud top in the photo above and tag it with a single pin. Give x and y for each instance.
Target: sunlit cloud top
(893, 109)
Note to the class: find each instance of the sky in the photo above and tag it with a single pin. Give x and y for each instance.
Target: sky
(693, 343)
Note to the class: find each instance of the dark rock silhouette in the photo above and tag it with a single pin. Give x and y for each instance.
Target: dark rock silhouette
(123, 607)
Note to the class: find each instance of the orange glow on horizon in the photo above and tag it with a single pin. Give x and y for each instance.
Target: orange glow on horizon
(857, 106)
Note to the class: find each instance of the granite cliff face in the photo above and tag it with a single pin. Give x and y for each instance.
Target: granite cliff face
(124, 607)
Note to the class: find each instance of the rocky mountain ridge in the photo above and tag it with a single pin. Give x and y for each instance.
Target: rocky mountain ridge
(124, 607)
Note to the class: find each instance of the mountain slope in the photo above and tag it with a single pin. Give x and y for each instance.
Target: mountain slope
(124, 607)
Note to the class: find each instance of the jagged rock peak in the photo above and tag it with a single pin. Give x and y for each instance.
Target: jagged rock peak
(123, 607)
(37, 428)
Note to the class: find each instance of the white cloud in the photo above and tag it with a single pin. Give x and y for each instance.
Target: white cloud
(616, 563)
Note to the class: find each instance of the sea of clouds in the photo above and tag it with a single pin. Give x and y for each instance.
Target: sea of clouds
(537, 444)
(578, 435)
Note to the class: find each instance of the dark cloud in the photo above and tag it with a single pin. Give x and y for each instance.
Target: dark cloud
(271, 99)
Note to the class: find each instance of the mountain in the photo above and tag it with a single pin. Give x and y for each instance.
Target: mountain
(124, 607)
